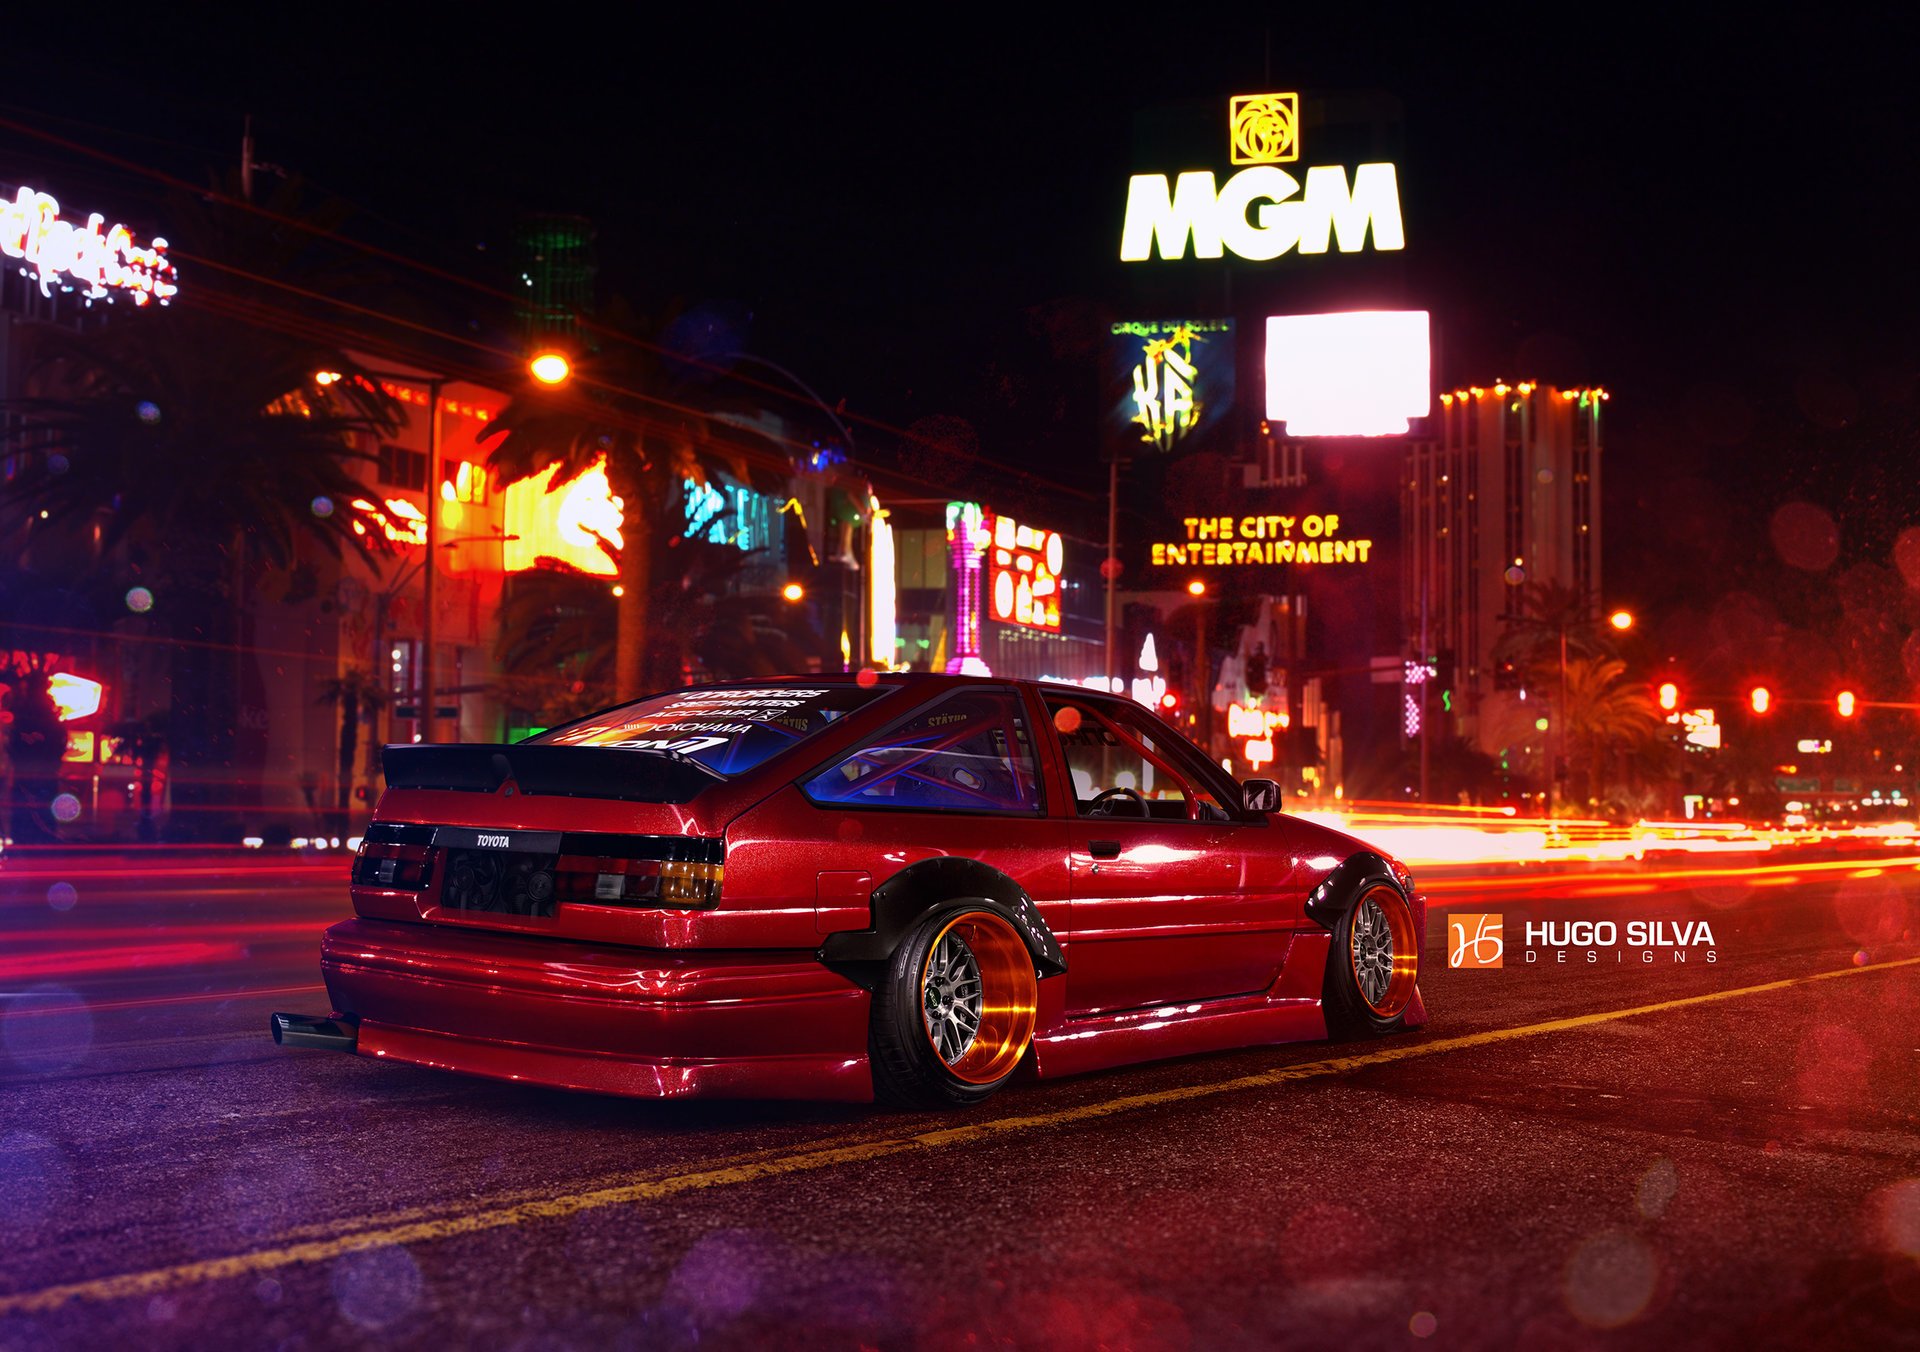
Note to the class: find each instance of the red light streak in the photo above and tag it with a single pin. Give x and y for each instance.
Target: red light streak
(75, 962)
(155, 1001)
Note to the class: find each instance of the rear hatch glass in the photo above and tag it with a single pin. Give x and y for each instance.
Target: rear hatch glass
(728, 729)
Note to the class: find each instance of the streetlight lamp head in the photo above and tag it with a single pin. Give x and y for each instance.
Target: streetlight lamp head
(325, 378)
(1621, 619)
(793, 591)
(1197, 588)
(550, 368)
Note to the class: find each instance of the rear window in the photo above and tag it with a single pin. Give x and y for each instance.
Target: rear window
(727, 728)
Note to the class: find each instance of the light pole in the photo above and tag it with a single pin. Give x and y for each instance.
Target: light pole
(860, 646)
(1621, 620)
(434, 384)
(1110, 566)
(1203, 706)
(383, 600)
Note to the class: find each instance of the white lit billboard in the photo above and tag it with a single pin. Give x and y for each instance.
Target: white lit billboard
(1359, 374)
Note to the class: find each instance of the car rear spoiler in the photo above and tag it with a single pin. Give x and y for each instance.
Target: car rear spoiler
(570, 771)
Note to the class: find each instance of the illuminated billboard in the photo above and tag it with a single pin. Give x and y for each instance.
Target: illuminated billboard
(577, 523)
(1360, 374)
(1023, 574)
(1175, 378)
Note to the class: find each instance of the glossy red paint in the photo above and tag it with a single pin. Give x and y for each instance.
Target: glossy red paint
(1180, 935)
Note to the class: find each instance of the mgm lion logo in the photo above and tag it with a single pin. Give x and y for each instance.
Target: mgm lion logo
(1264, 128)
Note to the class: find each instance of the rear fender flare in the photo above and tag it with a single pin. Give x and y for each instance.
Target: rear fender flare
(919, 890)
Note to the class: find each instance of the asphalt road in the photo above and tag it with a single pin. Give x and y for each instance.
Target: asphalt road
(1578, 1154)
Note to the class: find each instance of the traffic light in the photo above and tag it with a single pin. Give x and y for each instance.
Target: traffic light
(1761, 698)
(1669, 696)
(1844, 703)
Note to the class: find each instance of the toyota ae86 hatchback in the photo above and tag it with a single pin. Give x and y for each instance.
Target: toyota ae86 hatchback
(910, 888)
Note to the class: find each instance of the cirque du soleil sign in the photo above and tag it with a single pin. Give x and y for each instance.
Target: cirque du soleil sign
(1230, 542)
(1180, 375)
(97, 260)
(1262, 211)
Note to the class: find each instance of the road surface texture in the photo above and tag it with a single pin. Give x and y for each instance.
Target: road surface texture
(1574, 1154)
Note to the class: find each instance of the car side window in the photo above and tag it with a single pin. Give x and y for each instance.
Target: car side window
(970, 752)
(1122, 765)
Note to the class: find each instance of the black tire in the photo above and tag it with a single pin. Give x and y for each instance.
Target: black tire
(968, 1064)
(1351, 1010)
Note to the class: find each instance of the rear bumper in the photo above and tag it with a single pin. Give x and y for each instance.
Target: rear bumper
(643, 1022)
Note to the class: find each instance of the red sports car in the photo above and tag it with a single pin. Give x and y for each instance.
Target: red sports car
(909, 888)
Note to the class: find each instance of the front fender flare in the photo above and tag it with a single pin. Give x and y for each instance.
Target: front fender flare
(1328, 901)
(919, 890)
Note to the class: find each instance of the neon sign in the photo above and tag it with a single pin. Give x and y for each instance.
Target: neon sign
(882, 581)
(967, 540)
(1174, 378)
(1023, 574)
(1263, 130)
(1150, 687)
(74, 696)
(96, 259)
(1226, 542)
(400, 521)
(1702, 728)
(1255, 725)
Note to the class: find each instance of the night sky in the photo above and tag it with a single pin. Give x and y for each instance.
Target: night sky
(1693, 215)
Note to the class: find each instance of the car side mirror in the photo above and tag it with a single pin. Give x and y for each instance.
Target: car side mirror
(1260, 795)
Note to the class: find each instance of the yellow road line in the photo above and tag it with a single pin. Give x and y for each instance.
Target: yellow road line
(652, 1190)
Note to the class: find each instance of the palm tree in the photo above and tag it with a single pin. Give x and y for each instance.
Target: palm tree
(359, 694)
(203, 447)
(555, 642)
(1608, 718)
(557, 638)
(1550, 615)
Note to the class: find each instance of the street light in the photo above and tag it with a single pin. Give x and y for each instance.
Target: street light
(1621, 620)
(1760, 698)
(1202, 711)
(550, 368)
(793, 591)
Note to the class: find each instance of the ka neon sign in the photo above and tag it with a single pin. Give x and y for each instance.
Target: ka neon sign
(96, 259)
(1262, 211)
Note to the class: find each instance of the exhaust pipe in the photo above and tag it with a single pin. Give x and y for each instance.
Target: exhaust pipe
(307, 1030)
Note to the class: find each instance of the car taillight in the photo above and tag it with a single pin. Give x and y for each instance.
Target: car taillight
(401, 867)
(599, 881)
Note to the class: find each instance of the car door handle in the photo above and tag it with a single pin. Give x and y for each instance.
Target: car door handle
(1104, 849)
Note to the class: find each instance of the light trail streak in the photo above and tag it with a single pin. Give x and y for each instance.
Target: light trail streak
(1641, 880)
(1435, 835)
(127, 958)
(159, 1001)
